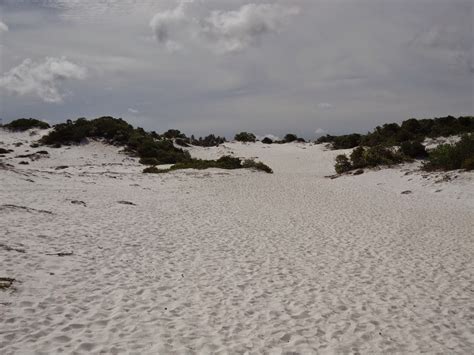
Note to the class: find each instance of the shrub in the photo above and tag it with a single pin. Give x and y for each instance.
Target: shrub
(149, 161)
(209, 141)
(24, 124)
(410, 130)
(154, 170)
(173, 133)
(368, 157)
(452, 156)
(245, 137)
(468, 163)
(342, 164)
(183, 142)
(267, 140)
(290, 137)
(224, 162)
(117, 131)
(346, 141)
(358, 158)
(413, 149)
(251, 164)
(379, 155)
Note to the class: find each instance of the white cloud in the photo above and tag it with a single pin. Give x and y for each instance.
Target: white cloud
(319, 131)
(224, 31)
(41, 78)
(3, 27)
(132, 110)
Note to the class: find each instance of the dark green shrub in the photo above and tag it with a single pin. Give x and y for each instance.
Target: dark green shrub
(182, 142)
(174, 133)
(155, 170)
(149, 161)
(224, 162)
(290, 137)
(209, 141)
(24, 124)
(410, 130)
(358, 158)
(229, 162)
(413, 149)
(251, 164)
(342, 164)
(267, 140)
(346, 141)
(117, 131)
(245, 137)
(468, 163)
(452, 156)
(379, 155)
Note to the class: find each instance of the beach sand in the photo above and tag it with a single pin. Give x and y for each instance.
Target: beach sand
(220, 261)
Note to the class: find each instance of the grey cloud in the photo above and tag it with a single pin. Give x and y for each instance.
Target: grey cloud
(224, 31)
(3, 27)
(41, 78)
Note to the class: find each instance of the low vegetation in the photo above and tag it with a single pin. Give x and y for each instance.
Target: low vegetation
(289, 138)
(245, 137)
(225, 162)
(150, 147)
(393, 144)
(23, 124)
(452, 156)
(369, 157)
(393, 134)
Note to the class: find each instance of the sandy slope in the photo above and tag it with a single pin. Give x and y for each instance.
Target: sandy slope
(232, 261)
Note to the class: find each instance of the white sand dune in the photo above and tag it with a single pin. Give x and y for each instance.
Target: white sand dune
(221, 261)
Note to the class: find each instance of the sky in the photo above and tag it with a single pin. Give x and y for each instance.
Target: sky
(308, 67)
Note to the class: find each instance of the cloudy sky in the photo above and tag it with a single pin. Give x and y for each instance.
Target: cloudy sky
(223, 66)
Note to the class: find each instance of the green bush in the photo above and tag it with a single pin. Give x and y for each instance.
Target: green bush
(267, 140)
(24, 124)
(149, 161)
(358, 158)
(413, 149)
(378, 155)
(368, 158)
(391, 134)
(208, 141)
(452, 156)
(245, 137)
(117, 131)
(290, 137)
(154, 170)
(342, 164)
(224, 162)
(251, 164)
(468, 163)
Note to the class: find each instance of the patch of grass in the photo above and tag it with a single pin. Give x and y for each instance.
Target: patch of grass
(23, 124)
